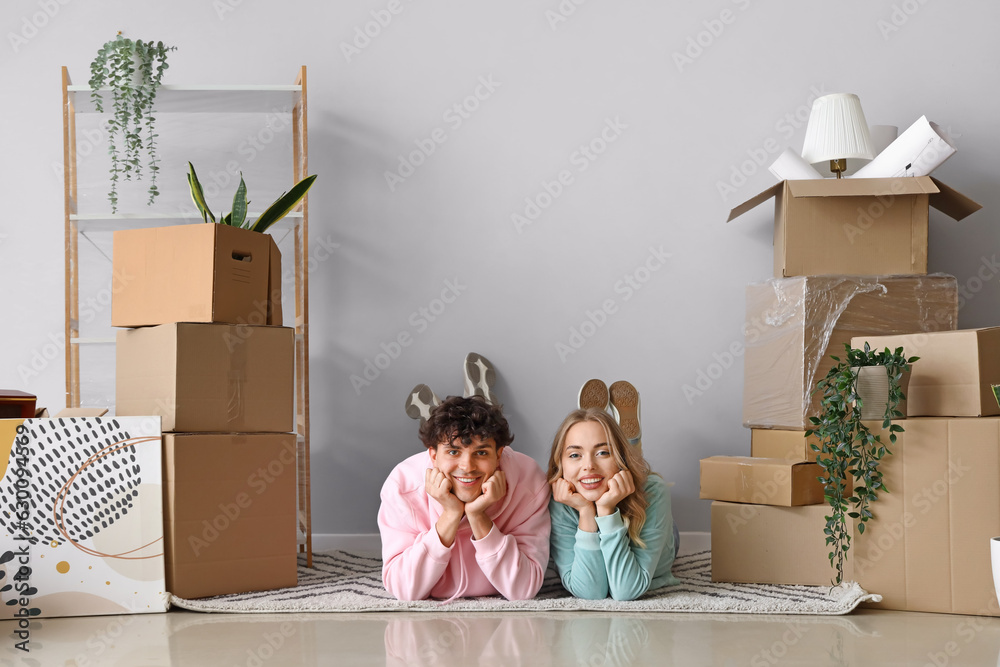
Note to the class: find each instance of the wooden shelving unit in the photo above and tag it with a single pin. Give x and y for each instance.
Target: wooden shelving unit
(194, 100)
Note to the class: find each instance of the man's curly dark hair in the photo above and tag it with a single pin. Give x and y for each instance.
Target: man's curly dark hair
(458, 418)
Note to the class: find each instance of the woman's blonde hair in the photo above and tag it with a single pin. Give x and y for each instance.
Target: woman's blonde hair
(628, 457)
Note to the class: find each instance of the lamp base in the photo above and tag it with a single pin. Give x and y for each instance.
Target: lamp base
(838, 166)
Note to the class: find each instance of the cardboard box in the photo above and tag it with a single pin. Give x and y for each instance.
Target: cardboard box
(208, 377)
(82, 516)
(763, 544)
(793, 325)
(780, 444)
(864, 226)
(954, 374)
(742, 479)
(195, 273)
(229, 512)
(928, 547)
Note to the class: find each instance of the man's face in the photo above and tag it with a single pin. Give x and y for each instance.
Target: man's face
(467, 466)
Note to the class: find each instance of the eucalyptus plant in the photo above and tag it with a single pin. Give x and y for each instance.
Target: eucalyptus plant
(133, 70)
(849, 451)
(237, 217)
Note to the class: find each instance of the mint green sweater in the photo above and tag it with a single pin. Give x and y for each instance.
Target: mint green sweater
(596, 565)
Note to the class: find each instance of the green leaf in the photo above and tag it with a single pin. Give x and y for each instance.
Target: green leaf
(198, 195)
(239, 213)
(284, 204)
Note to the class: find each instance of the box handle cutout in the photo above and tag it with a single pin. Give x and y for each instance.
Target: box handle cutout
(242, 256)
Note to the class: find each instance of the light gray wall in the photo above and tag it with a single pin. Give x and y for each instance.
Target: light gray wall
(684, 128)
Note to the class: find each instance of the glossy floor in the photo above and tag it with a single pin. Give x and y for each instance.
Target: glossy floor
(867, 637)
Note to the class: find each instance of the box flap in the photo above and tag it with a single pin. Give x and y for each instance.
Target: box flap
(755, 201)
(81, 412)
(951, 202)
(862, 187)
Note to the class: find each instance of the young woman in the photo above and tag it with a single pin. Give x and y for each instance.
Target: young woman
(612, 531)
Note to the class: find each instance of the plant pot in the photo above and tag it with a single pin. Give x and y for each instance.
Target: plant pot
(873, 389)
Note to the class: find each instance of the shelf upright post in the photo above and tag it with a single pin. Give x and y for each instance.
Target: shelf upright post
(300, 168)
(72, 327)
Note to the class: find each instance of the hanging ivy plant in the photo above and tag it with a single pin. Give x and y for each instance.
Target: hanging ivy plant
(133, 70)
(850, 452)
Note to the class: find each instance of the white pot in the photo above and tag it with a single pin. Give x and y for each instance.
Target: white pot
(995, 559)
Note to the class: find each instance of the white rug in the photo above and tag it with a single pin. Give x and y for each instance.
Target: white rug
(342, 581)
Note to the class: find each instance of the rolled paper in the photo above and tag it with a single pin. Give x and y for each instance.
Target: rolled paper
(791, 167)
(918, 151)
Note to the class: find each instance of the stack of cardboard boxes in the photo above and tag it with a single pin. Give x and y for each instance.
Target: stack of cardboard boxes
(205, 350)
(850, 261)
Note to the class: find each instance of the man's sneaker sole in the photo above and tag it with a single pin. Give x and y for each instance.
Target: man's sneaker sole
(480, 376)
(420, 402)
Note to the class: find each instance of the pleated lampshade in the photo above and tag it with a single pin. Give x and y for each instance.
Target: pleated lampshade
(837, 130)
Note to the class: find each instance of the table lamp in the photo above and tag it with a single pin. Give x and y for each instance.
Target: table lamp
(836, 131)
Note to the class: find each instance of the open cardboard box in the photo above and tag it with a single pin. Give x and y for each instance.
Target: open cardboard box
(195, 273)
(865, 226)
(87, 535)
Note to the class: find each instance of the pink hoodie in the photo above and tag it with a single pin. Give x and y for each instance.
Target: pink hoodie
(511, 560)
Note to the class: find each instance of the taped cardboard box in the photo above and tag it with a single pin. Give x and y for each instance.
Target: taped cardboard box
(742, 479)
(82, 516)
(780, 444)
(764, 544)
(208, 377)
(865, 226)
(954, 374)
(793, 325)
(195, 273)
(928, 547)
(229, 512)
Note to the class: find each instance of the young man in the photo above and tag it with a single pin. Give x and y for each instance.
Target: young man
(467, 517)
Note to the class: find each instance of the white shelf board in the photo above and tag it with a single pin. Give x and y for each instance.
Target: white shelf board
(204, 99)
(106, 222)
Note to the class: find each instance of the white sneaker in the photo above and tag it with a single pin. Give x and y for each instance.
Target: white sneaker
(420, 402)
(480, 376)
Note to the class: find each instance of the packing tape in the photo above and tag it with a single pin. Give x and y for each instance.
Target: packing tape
(237, 373)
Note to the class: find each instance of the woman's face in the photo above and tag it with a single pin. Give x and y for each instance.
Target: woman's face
(587, 461)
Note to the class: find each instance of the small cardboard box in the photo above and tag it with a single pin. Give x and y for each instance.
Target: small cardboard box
(863, 226)
(954, 374)
(208, 377)
(928, 546)
(229, 512)
(780, 444)
(793, 325)
(763, 544)
(81, 515)
(742, 479)
(195, 273)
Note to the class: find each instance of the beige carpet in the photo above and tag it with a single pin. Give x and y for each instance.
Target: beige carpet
(342, 581)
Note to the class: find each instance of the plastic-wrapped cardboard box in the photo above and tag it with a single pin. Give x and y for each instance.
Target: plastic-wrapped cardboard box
(208, 377)
(864, 226)
(761, 481)
(229, 512)
(928, 546)
(195, 273)
(955, 372)
(793, 325)
(82, 516)
(764, 544)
